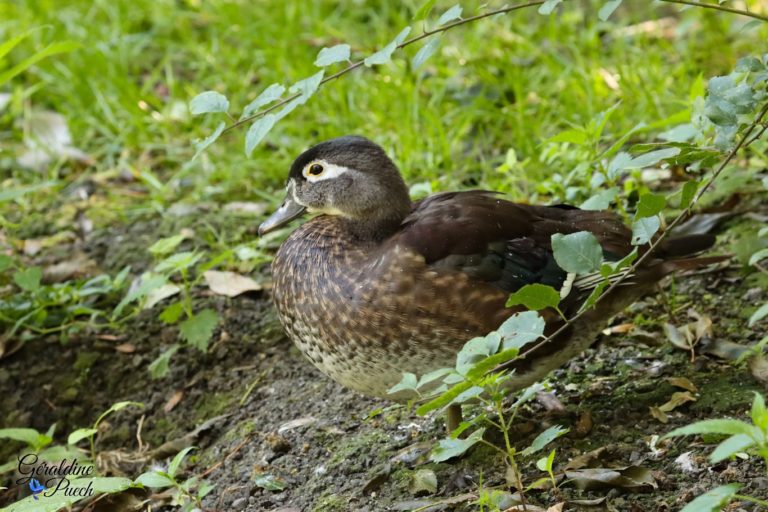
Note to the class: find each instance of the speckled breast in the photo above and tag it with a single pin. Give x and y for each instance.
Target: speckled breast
(354, 315)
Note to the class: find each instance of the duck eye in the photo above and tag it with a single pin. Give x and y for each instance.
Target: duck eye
(316, 169)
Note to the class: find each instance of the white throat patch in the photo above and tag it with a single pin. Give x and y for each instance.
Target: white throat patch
(330, 171)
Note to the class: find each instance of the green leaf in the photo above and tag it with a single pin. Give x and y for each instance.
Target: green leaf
(51, 49)
(258, 130)
(172, 313)
(173, 467)
(269, 482)
(520, 329)
(424, 10)
(28, 279)
(159, 367)
(425, 52)
(607, 9)
(650, 205)
(544, 439)
(731, 446)
(717, 426)
(535, 297)
(268, 95)
(449, 448)
(13, 193)
(29, 436)
(651, 158)
(579, 252)
(178, 262)
(119, 406)
(332, 55)
(80, 434)
(202, 145)
(475, 350)
(308, 86)
(572, 135)
(385, 54)
(423, 481)
(714, 500)
(749, 64)
(545, 463)
(644, 229)
(444, 399)
(482, 367)
(597, 291)
(688, 193)
(758, 412)
(155, 480)
(434, 375)
(148, 283)
(5, 262)
(547, 7)
(208, 102)
(409, 382)
(600, 201)
(166, 245)
(758, 315)
(197, 331)
(758, 256)
(454, 13)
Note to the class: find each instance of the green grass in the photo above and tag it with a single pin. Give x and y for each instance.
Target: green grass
(499, 84)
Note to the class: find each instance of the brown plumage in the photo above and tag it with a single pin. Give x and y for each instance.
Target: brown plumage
(376, 286)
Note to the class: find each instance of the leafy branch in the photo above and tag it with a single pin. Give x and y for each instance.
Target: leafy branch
(743, 142)
(719, 7)
(361, 62)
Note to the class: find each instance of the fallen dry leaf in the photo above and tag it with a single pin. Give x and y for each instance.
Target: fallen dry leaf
(632, 478)
(173, 401)
(299, 422)
(659, 414)
(619, 329)
(682, 382)
(679, 398)
(583, 426)
(246, 207)
(78, 267)
(126, 348)
(47, 137)
(758, 366)
(229, 284)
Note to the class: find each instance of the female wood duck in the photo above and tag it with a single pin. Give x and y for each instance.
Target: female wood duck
(377, 285)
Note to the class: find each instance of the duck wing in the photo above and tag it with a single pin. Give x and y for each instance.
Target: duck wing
(503, 244)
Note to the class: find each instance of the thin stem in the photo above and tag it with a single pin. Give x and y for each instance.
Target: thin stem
(359, 63)
(683, 214)
(750, 499)
(719, 7)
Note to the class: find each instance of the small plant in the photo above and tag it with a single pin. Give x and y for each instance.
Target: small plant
(173, 275)
(53, 491)
(742, 438)
(187, 494)
(63, 308)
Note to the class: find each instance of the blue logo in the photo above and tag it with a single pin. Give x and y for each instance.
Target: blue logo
(36, 487)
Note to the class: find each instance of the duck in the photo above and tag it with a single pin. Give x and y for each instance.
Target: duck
(375, 285)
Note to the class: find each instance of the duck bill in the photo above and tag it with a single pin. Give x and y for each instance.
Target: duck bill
(288, 211)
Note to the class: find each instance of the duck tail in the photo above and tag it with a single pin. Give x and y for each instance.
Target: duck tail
(686, 245)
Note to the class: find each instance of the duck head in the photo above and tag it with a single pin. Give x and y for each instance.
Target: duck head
(349, 177)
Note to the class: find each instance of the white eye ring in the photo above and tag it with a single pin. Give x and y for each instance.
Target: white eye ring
(328, 171)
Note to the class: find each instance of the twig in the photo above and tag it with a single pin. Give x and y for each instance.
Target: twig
(359, 63)
(719, 7)
(683, 214)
